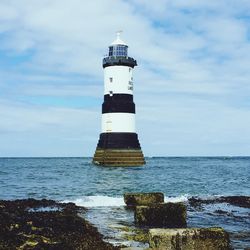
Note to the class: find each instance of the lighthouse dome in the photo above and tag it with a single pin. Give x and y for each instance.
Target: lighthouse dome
(118, 47)
(118, 40)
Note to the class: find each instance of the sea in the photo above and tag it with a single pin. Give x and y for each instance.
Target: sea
(100, 190)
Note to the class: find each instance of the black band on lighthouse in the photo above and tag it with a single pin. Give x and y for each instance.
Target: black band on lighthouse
(118, 141)
(118, 103)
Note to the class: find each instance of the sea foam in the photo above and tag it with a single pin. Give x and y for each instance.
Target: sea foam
(98, 201)
(108, 201)
(181, 198)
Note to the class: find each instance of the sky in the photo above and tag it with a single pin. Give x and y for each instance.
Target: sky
(191, 86)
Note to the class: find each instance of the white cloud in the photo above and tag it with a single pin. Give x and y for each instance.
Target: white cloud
(33, 130)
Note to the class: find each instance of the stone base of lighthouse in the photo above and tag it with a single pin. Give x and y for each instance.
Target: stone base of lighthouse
(118, 149)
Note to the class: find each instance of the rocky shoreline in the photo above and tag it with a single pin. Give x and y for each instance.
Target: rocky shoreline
(46, 224)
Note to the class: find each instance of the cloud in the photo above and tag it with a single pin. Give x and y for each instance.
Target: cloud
(52, 131)
(192, 80)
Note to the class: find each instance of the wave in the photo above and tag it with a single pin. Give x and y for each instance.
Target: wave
(98, 201)
(108, 201)
(182, 198)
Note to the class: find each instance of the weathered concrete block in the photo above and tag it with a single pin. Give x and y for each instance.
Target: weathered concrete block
(189, 239)
(171, 215)
(143, 199)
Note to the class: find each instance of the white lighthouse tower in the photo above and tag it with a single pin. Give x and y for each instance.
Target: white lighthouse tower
(118, 144)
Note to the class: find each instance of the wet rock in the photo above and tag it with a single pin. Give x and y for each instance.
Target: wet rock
(219, 211)
(36, 224)
(133, 248)
(143, 199)
(240, 201)
(189, 239)
(139, 235)
(196, 202)
(172, 215)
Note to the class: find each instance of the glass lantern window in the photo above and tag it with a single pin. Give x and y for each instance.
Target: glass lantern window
(118, 50)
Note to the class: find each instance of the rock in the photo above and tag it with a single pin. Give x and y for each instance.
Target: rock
(143, 199)
(172, 215)
(189, 239)
(133, 248)
(240, 201)
(47, 224)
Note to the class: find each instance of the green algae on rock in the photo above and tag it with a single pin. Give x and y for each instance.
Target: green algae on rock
(140, 235)
(189, 239)
(172, 215)
(143, 199)
(25, 225)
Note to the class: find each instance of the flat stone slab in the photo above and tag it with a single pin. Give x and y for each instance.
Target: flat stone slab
(143, 199)
(189, 239)
(171, 215)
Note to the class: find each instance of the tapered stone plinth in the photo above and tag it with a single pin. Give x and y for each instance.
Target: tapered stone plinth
(119, 157)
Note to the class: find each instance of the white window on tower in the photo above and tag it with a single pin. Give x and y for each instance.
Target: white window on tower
(129, 69)
(110, 93)
(110, 79)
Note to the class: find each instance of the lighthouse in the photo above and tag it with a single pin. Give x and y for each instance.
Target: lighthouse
(118, 143)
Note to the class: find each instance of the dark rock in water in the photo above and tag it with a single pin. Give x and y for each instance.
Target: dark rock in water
(219, 211)
(240, 201)
(195, 202)
(189, 239)
(172, 215)
(25, 225)
(143, 199)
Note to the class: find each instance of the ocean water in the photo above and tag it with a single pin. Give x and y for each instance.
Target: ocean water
(101, 189)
